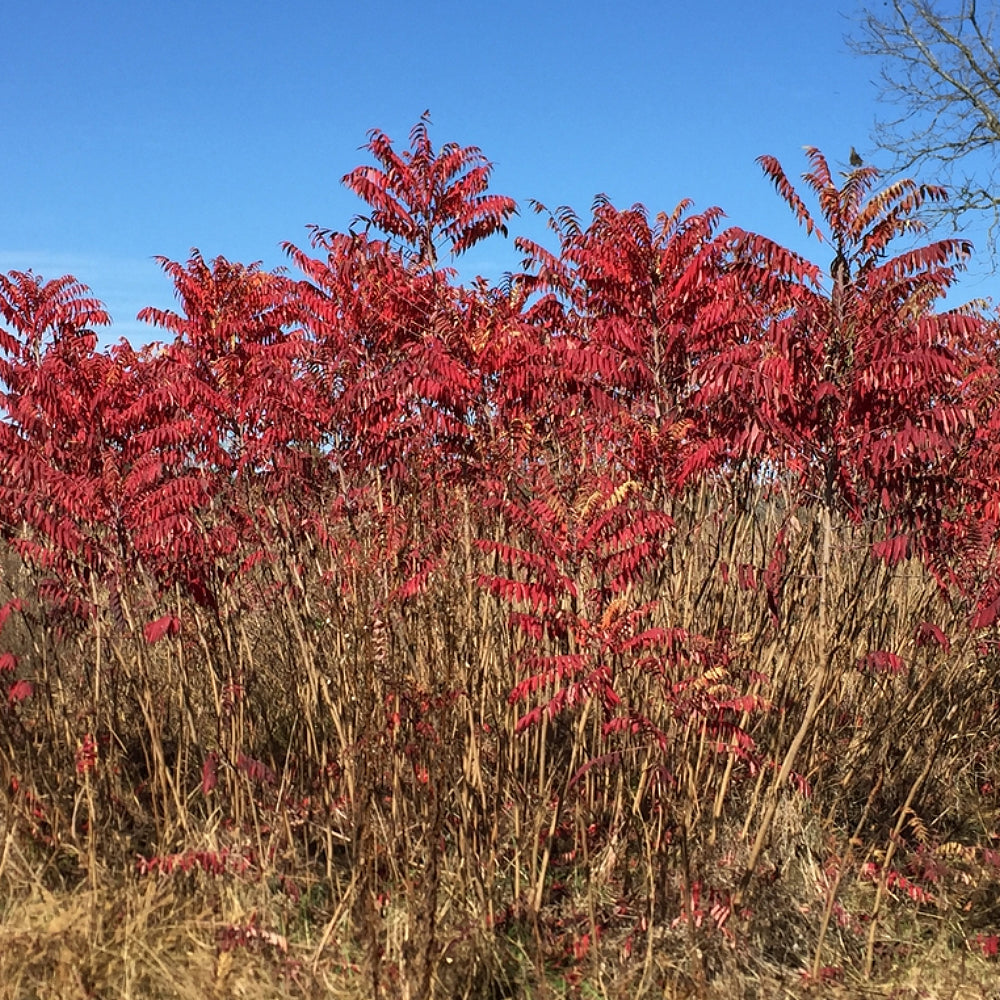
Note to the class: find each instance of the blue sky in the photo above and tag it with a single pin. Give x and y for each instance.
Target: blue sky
(132, 129)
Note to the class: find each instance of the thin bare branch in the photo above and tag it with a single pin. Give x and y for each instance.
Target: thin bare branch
(941, 68)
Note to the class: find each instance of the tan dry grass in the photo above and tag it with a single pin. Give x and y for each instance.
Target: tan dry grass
(393, 860)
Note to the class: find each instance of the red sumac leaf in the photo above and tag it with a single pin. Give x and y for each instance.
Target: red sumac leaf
(19, 691)
(256, 770)
(209, 773)
(8, 662)
(746, 703)
(927, 633)
(6, 609)
(989, 944)
(86, 755)
(154, 631)
(881, 661)
(604, 760)
(892, 550)
(986, 615)
(530, 719)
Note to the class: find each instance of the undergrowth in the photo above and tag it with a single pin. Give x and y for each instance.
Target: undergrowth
(625, 630)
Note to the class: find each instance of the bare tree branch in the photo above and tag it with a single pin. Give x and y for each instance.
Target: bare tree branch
(941, 68)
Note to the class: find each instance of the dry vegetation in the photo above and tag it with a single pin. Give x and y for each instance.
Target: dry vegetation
(627, 631)
(378, 828)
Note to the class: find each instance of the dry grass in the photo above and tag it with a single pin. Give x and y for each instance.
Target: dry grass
(377, 828)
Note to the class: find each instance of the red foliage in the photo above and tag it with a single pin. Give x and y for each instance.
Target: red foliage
(209, 773)
(168, 625)
(664, 348)
(19, 691)
(86, 755)
(360, 413)
(857, 390)
(881, 661)
(614, 324)
(989, 944)
(424, 197)
(928, 632)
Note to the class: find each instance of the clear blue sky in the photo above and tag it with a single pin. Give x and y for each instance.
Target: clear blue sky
(132, 129)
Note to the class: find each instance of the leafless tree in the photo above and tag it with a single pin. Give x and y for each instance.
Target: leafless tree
(941, 69)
